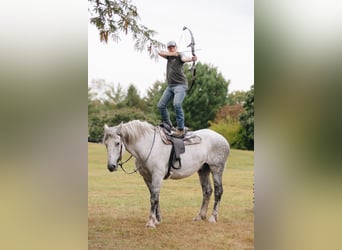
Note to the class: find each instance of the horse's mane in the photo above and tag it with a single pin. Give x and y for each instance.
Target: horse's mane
(133, 130)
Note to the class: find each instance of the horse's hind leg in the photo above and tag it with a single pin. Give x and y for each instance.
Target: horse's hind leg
(218, 190)
(203, 174)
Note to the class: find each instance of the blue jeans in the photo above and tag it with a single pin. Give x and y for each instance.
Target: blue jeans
(178, 93)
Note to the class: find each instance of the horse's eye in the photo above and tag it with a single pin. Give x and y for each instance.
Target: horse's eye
(117, 143)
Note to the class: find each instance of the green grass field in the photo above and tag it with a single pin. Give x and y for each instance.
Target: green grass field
(118, 208)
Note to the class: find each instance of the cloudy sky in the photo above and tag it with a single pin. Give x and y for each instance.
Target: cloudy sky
(223, 31)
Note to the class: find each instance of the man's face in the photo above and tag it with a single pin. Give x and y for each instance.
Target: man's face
(172, 48)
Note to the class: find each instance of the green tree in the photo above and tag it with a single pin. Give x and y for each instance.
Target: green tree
(206, 97)
(236, 97)
(113, 107)
(132, 98)
(247, 120)
(114, 96)
(95, 113)
(90, 96)
(201, 104)
(115, 17)
(154, 93)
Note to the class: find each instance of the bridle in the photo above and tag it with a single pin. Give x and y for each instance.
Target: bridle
(120, 161)
(144, 162)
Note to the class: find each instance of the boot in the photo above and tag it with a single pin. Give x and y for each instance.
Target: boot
(180, 133)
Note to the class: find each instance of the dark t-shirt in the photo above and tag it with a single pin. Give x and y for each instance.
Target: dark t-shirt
(174, 70)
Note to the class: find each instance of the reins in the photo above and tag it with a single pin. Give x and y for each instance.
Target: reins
(148, 156)
(121, 163)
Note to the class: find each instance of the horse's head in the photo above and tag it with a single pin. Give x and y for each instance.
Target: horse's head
(115, 147)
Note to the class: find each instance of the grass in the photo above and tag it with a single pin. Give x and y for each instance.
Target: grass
(118, 208)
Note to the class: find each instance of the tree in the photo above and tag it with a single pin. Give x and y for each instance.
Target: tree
(228, 125)
(247, 120)
(114, 96)
(115, 17)
(236, 97)
(115, 107)
(154, 93)
(236, 121)
(229, 113)
(97, 89)
(132, 98)
(201, 104)
(206, 97)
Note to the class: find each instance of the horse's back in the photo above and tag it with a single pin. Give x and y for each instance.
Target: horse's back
(208, 135)
(215, 142)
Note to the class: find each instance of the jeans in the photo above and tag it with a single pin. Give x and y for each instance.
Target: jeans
(178, 93)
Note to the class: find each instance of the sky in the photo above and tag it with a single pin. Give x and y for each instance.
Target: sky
(223, 31)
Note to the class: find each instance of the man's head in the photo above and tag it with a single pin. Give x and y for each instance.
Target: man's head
(171, 45)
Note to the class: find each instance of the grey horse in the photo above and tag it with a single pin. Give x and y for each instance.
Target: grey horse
(144, 142)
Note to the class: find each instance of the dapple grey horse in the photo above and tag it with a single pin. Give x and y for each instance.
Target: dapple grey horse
(144, 142)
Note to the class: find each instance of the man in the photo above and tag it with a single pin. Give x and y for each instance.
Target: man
(177, 86)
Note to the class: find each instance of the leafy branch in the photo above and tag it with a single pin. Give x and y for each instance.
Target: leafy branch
(115, 17)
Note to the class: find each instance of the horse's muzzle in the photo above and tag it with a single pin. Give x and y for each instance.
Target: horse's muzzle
(112, 167)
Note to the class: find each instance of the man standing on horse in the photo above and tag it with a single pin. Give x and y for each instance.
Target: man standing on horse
(177, 86)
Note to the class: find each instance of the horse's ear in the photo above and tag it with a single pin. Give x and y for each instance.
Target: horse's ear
(118, 130)
(106, 127)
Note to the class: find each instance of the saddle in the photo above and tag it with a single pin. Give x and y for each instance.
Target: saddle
(178, 145)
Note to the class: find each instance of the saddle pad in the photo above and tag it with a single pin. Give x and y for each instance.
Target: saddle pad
(189, 138)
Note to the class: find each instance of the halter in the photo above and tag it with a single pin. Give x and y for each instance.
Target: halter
(148, 156)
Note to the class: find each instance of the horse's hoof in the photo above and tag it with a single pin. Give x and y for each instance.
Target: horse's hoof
(150, 225)
(198, 218)
(212, 219)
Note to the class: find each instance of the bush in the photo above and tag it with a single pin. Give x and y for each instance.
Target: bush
(229, 130)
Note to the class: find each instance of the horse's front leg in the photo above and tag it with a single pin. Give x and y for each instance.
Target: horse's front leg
(155, 215)
(153, 221)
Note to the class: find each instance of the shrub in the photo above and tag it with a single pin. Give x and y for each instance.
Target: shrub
(229, 130)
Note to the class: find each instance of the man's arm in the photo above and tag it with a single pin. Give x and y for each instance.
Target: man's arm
(165, 54)
(184, 58)
(189, 59)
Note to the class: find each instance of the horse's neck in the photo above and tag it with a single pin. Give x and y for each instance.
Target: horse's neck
(140, 148)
